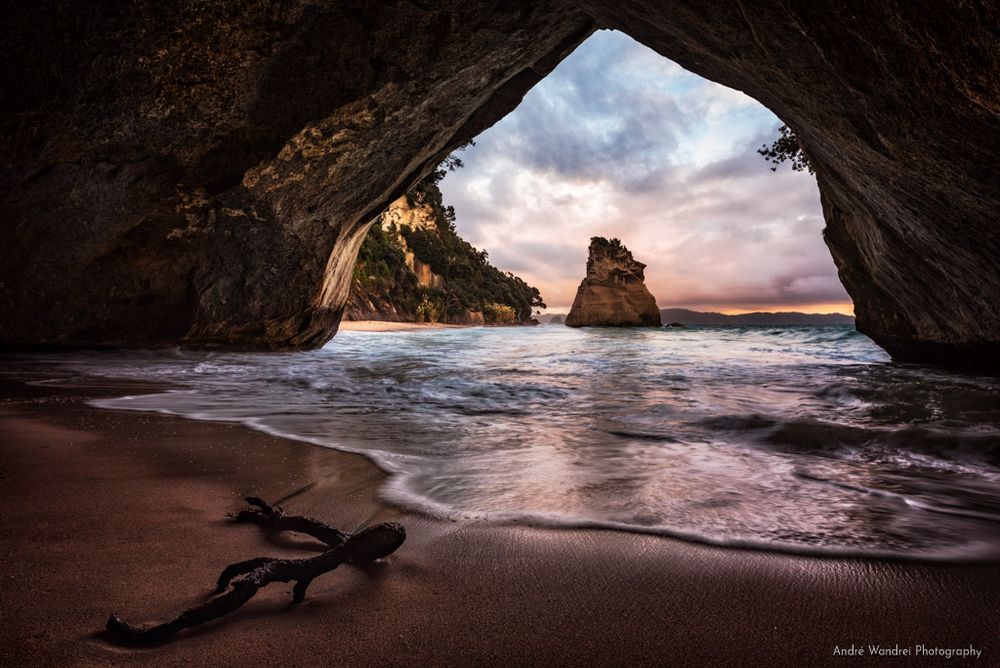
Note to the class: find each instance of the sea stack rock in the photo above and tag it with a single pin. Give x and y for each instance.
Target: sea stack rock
(613, 294)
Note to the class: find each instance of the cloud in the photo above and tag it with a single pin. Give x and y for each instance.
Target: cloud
(536, 256)
(619, 141)
(578, 132)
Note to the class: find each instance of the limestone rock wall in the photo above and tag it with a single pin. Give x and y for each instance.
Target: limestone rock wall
(203, 173)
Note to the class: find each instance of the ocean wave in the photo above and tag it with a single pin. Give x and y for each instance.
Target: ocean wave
(799, 439)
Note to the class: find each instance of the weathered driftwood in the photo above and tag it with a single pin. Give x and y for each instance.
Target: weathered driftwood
(244, 579)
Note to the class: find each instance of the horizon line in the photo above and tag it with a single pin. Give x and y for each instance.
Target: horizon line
(803, 310)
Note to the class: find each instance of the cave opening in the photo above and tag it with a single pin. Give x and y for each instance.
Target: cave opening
(619, 141)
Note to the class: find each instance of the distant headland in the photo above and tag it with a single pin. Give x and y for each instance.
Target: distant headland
(688, 317)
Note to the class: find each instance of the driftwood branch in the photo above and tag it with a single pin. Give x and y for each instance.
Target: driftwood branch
(244, 579)
(273, 519)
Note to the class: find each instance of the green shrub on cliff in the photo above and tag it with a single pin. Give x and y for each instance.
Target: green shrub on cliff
(381, 268)
(427, 310)
(499, 314)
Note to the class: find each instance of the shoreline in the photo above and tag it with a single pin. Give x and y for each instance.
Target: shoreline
(390, 326)
(393, 326)
(122, 511)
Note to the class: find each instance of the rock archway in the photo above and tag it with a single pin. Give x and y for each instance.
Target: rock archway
(203, 173)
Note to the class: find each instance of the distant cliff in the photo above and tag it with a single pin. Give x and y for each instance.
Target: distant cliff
(614, 292)
(413, 267)
(688, 317)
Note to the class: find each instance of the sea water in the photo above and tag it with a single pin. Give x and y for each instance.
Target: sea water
(791, 438)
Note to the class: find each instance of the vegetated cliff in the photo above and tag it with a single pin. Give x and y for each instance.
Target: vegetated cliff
(614, 292)
(413, 267)
(204, 173)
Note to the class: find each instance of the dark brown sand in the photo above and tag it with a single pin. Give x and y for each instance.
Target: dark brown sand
(106, 511)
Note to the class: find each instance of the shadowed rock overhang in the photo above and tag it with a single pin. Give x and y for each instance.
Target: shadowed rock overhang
(204, 173)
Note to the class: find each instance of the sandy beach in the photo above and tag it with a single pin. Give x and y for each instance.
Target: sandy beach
(387, 326)
(111, 511)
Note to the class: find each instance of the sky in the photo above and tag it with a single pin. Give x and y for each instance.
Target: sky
(619, 141)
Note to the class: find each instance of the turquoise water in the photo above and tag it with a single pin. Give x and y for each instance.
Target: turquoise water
(795, 438)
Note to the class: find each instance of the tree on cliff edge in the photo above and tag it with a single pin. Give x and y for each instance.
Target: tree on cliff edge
(786, 148)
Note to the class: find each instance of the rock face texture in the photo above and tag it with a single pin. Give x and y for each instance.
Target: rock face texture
(613, 293)
(203, 173)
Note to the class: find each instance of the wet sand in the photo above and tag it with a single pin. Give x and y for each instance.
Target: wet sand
(112, 511)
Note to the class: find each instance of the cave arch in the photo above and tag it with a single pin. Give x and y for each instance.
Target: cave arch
(184, 173)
